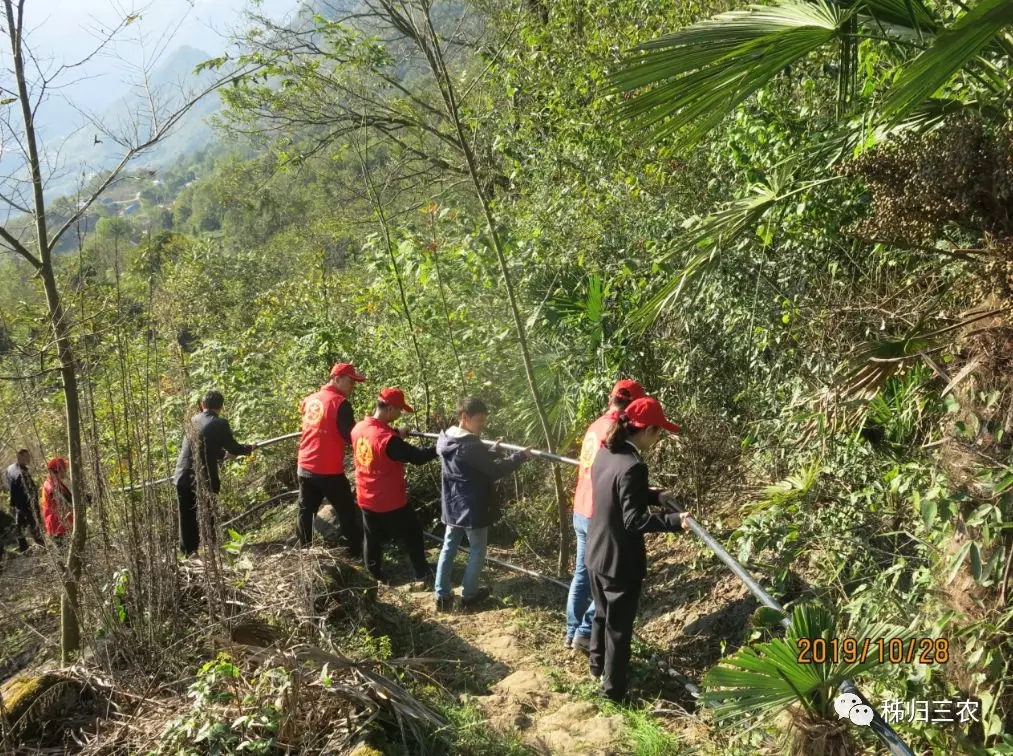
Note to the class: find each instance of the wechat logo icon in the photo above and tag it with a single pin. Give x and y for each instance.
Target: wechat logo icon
(850, 706)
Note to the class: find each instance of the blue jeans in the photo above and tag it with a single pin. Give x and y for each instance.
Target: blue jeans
(579, 606)
(478, 540)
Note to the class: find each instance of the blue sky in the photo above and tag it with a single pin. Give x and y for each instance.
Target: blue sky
(65, 30)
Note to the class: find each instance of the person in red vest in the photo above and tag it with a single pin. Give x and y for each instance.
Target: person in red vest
(57, 505)
(327, 422)
(579, 606)
(381, 453)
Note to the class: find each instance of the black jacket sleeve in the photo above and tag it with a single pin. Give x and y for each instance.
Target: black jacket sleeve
(479, 458)
(19, 494)
(634, 496)
(227, 441)
(346, 421)
(400, 450)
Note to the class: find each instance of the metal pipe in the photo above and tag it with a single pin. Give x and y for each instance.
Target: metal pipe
(509, 566)
(510, 447)
(262, 505)
(160, 481)
(879, 725)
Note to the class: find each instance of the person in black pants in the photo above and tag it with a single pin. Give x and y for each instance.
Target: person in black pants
(381, 453)
(327, 422)
(197, 473)
(24, 500)
(615, 555)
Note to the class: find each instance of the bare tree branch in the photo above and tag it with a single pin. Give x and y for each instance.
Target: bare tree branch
(18, 247)
(154, 137)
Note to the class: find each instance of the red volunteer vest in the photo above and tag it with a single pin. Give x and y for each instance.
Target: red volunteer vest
(594, 440)
(379, 481)
(321, 448)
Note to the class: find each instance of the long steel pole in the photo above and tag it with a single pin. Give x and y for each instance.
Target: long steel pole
(879, 725)
(510, 447)
(168, 479)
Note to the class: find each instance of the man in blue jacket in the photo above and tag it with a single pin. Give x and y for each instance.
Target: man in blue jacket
(469, 470)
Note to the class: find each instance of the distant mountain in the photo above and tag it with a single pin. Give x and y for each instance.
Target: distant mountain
(88, 151)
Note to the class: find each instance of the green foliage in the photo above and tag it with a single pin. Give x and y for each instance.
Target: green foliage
(763, 285)
(228, 715)
(761, 680)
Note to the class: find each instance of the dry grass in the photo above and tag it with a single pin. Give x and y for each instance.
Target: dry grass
(266, 620)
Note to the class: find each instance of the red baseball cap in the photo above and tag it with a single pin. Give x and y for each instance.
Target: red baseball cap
(627, 389)
(342, 369)
(395, 398)
(646, 411)
(57, 464)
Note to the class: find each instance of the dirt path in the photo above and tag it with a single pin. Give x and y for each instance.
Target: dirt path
(517, 671)
(506, 659)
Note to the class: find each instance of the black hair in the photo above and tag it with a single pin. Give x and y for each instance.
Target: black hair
(382, 405)
(471, 406)
(213, 400)
(23, 451)
(622, 399)
(621, 431)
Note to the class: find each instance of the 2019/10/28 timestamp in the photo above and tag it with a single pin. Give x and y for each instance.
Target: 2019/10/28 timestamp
(882, 650)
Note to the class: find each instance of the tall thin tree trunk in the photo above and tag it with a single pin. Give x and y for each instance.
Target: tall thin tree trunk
(70, 631)
(446, 308)
(385, 229)
(430, 43)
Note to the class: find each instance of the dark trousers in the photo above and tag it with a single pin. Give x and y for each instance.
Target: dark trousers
(189, 523)
(337, 491)
(27, 520)
(615, 604)
(402, 525)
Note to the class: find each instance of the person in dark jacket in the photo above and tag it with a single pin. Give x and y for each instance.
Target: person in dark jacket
(615, 555)
(327, 422)
(208, 441)
(579, 606)
(469, 470)
(380, 454)
(24, 500)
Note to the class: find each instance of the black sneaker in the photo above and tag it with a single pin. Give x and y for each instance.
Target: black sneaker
(582, 643)
(445, 604)
(480, 595)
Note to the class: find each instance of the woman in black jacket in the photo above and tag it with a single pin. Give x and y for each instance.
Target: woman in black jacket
(615, 555)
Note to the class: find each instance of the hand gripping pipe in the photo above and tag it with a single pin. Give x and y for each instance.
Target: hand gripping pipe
(150, 483)
(879, 725)
(510, 447)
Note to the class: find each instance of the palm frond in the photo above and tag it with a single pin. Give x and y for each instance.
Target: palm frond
(902, 18)
(692, 79)
(716, 233)
(952, 49)
(768, 677)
